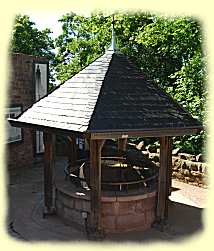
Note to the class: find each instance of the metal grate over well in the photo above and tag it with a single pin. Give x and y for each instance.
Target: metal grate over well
(118, 173)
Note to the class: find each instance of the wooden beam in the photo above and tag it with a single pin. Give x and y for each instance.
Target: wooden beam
(146, 133)
(48, 166)
(95, 184)
(164, 178)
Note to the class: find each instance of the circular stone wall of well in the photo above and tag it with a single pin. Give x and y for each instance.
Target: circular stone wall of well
(122, 211)
(128, 213)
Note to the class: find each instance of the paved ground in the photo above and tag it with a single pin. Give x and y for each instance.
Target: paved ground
(25, 222)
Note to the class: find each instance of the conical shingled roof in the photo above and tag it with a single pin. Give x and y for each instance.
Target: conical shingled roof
(110, 94)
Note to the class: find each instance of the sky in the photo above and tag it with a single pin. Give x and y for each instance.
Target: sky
(47, 20)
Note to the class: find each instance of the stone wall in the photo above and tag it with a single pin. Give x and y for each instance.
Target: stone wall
(120, 214)
(128, 213)
(185, 167)
(21, 91)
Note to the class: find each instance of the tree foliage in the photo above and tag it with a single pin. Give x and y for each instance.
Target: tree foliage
(174, 48)
(169, 50)
(85, 38)
(81, 42)
(29, 40)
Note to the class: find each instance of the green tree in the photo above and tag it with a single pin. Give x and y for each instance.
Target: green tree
(168, 44)
(191, 93)
(86, 38)
(174, 49)
(169, 50)
(82, 41)
(27, 39)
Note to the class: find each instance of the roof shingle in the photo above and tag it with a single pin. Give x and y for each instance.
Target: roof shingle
(108, 95)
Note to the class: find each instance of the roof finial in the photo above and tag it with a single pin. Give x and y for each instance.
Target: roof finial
(113, 45)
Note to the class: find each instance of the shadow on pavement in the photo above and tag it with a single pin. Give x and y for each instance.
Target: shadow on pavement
(25, 222)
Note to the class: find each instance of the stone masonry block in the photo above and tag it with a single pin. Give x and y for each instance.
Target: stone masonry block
(139, 219)
(110, 208)
(150, 216)
(126, 207)
(124, 221)
(140, 206)
(108, 199)
(108, 222)
(73, 216)
(195, 166)
(144, 205)
(78, 204)
(66, 200)
(86, 206)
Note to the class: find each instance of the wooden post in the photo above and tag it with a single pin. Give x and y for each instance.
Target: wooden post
(122, 144)
(72, 154)
(170, 165)
(95, 186)
(169, 174)
(48, 166)
(164, 182)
